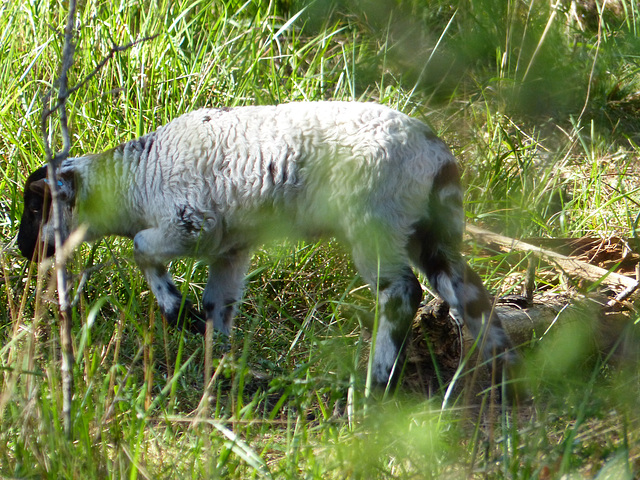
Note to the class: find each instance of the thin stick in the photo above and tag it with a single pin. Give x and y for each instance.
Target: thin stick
(60, 232)
(208, 353)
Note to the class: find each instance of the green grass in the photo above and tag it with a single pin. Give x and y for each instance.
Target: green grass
(540, 106)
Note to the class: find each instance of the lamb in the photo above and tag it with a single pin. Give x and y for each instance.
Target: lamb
(215, 183)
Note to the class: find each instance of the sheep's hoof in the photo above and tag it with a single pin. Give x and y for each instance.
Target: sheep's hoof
(188, 317)
(194, 321)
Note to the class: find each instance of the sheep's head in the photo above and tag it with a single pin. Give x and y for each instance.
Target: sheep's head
(36, 232)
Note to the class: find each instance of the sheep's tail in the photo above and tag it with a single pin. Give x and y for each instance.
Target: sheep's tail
(446, 211)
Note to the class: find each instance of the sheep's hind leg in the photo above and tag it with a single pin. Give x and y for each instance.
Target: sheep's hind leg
(463, 290)
(152, 248)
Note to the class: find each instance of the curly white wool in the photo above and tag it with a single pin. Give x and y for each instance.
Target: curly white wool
(325, 165)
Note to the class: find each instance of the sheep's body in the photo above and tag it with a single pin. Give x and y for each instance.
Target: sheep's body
(308, 168)
(216, 183)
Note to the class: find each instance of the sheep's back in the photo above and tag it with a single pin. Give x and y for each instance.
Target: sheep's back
(313, 161)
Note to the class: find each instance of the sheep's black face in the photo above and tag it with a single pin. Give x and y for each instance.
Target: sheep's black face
(37, 201)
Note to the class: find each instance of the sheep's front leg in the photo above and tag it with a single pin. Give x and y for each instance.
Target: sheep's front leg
(152, 248)
(224, 289)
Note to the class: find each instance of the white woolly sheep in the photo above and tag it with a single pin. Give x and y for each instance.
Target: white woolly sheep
(215, 183)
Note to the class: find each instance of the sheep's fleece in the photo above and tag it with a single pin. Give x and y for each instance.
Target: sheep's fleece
(215, 183)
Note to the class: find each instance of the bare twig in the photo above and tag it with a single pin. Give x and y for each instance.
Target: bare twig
(114, 49)
(60, 230)
(208, 354)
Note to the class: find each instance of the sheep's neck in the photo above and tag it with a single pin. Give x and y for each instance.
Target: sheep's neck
(107, 200)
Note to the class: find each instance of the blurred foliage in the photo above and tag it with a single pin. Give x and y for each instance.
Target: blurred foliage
(534, 60)
(528, 95)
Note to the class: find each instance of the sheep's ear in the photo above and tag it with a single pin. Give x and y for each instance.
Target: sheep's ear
(38, 187)
(67, 185)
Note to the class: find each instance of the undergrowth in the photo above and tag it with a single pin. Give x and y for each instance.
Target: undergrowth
(538, 100)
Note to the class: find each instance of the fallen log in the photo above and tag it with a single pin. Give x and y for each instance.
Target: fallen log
(439, 345)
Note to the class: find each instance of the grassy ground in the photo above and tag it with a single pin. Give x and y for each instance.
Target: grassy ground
(541, 106)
